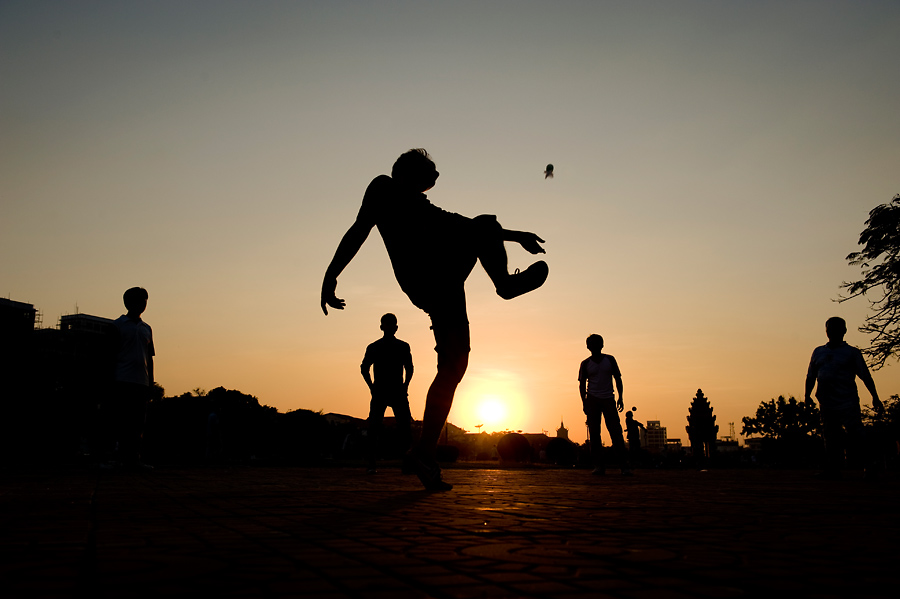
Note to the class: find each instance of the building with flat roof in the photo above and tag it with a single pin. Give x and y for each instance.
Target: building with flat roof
(656, 436)
(16, 318)
(84, 323)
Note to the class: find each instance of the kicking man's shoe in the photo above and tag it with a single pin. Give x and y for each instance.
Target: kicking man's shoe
(429, 475)
(522, 282)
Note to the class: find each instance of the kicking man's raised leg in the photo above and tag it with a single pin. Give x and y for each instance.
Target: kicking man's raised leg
(492, 253)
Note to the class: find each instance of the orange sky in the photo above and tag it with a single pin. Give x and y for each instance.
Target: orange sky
(714, 166)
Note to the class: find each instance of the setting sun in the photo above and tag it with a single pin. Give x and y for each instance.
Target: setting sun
(493, 398)
(492, 410)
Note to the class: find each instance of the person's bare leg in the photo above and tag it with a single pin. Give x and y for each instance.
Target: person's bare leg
(438, 402)
(452, 344)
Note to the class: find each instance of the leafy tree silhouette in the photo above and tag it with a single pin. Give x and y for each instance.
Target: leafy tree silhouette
(880, 282)
(791, 430)
(884, 432)
(785, 419)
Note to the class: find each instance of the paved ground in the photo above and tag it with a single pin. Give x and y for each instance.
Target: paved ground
(331, 532)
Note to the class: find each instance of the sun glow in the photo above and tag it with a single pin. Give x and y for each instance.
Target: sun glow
(492, 410)
(494, 399)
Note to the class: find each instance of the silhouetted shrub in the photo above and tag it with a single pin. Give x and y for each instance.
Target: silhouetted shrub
(561, 452)
(514, 447)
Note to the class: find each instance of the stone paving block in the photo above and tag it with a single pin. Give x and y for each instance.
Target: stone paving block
(544, 588)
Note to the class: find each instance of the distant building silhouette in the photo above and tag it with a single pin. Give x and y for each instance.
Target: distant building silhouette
(655, 437)
(16, 331)
(16, 318)
(84, 323)
(702, 428)
(562, 432)
(673, 445)
(53, 379)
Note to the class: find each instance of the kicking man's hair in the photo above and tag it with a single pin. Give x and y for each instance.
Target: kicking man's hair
(410, 165)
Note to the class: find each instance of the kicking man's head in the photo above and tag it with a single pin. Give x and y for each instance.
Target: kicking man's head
(595, 344)
(415, 170)
(835, 328)
(389, 324)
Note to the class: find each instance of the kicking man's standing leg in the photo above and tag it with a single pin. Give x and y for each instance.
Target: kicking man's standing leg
(451, 335)
(452, 346)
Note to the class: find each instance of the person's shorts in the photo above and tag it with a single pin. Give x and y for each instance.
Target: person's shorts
(450, 325)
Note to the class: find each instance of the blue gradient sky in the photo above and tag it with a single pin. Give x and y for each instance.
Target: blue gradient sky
(715, 163)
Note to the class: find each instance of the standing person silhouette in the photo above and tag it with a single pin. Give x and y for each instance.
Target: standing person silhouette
(432, 252)
(832, 371)
(126, 411)
(390, 359)
(595, 384)
(633, 432)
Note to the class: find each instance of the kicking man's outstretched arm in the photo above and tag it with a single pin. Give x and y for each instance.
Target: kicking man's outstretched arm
(529, 241)
(347, 249)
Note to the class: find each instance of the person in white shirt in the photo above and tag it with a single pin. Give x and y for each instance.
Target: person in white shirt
(126, 411)
(595, 384)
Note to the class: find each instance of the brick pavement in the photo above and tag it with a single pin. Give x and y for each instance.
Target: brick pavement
(335, 532)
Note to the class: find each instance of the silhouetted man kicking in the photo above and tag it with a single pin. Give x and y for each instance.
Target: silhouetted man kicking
(833, 369)
(432, 252)
(595, 384)
(393, 369)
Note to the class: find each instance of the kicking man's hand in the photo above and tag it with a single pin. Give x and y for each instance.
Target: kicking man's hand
(329, 286)
(531, 242)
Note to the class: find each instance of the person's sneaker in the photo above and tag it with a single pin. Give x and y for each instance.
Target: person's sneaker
(598, 471)
(429, 475)
(371, 470)
(522, 282)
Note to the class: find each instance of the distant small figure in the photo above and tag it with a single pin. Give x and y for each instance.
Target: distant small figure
(393, 370)
(548, 173)
(595, 378)
(125, 413)
(833, 369)
(633, 431)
